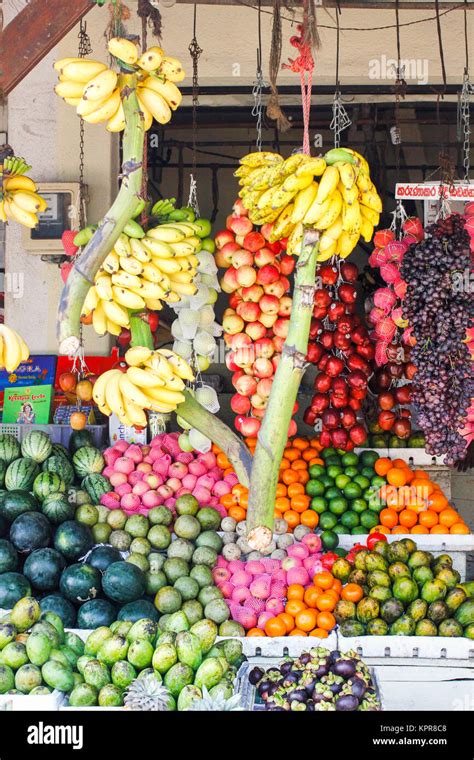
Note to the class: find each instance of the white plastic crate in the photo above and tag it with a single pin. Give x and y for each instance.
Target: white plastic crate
(413, 456)
(57, 433)
(284, 646)
(35, 702)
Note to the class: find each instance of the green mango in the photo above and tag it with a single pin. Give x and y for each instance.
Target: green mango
(96, 674)
(177, 677)
(7, 679)
(209, 673)
(113, 650)
(28, 677)
(206, 631)
(38, 648)
(111, 696)
(140, 653)
(25, 613)
(188, 648)
(57, 676)
(187, 696)
(83, 695)
(96, 639)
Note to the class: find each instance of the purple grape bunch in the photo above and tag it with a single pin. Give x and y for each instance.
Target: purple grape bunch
(440, 308)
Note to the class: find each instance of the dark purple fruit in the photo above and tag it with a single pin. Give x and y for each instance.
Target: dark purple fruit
(347, 703)
(344, 668)
(255, 675)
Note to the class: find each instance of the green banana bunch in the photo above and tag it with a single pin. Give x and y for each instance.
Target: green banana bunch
(14, 166)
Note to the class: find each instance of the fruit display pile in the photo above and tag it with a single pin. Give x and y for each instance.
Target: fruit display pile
(144, 477)
(341, 348)
(256, 322)
(136, 664)
(363, 493)
(318, 680)
(440, 314)
(396, 589)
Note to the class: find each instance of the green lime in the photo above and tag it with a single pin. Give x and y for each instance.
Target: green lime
(208, 245)
(332, 493)
(333, 462)
(328, 482)
(359, 506)
(375, 505)
(378, 481)
(330, 540)
(327, 521)
(340, 529)
(349, 459)
(319, 504)
(338, 505)
(359, 530)
(315, 488)
(367, 472)
(362, 481)
(352, 490)
(369, 458)
(334, 470)
(316, 470)
(329, 452)
(342, 480)
(351, 472)
(369, 519)
(350, 519)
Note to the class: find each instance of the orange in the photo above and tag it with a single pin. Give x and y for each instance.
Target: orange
(440, 530)
(320, 633)
(239, 490)
(332, 592)
(255, 632)
(459, 528)
(292, 454)
(229, 471)
(292, 518)
(294, 489)
(388, 517)
(352, 592)
(380, 529)
(421, 475)
(408, 518)
(326, 602)
(306, 620)
(297, 632)
(336, 585)
(399, 463)
(228, 499)
(301, 444)
(222, 461)
(244, 500)
(299, 464)
(281, 490)
(277, 515)
(275, 627)
(399, 529)
(382, 465)
(300, 503)
(282, 503)
(428, 518)
(238, 513)
(419, 529)
(284, 464)
(310, 596)
(289, 476)
(310, 518)
(295, 591)
(438, 501)
(448, 517)
(293, 606)
(315, 460)
(288, 620)
(326, 621)
(308, 454)
(409, 474)
(396, 476)
(324, 579)
(303, 476)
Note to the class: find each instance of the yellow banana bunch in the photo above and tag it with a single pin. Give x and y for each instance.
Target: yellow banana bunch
(154, 380)
(95, 90)
(19, 200)
(143, 273)
(332, 193)
(13, 349)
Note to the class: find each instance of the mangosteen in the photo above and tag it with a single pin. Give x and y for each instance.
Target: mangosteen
(310, 705)
(309, 685)
(305, 658)
(255, 675)
(344, 668)
(298, 707)
(323, 670)
(263, 686)
(334, 655)
(298, 695)
(285, 667)
(272, 689)
(290, 679)
(297, 673)
(316, 697)
(358, 687)
(347, 703)
(336, 687)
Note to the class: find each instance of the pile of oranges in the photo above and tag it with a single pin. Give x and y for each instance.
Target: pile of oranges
(414, 504)
(308, 611)
(292, 504)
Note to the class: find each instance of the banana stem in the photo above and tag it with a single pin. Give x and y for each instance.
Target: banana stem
(141, 332)
(210, 425)
(86, 267)
(273, 433)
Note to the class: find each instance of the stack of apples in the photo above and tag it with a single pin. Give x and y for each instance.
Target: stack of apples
(341, 348)
(257, 320)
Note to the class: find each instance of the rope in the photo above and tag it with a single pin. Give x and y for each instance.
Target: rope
(259, 84)
(274, 110)
(440, 44)
(303, 64)
(466, 40)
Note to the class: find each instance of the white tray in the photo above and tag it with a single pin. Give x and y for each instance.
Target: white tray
(35, 702)
(413, 456)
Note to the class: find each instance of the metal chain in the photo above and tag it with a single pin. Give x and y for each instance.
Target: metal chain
(195, 52)
(85, 48)
(258, 85)
(340, 117)
(465, 116)
(399, 215)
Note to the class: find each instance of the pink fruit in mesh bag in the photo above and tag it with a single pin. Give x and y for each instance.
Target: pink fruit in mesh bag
(413, 226)
(121, 446)
(231, 479)
(221, 488)
(178, 470)
(182, 492)
(390, 272)
(227, 588)
(123, 489)
(189, 481)
(170, 502)
(290, 562)
(148, 459)
(209, 459)
(174, 484)
(279, 575)
(152, 499)
(202, 494)
(156, 452)
(108, 471)
(378, 257)
(300, 551)
(117, 478)
(185, 457)
(134, 453)
(385, 329)
(140, 488)
(111, 455)
(245, 617)
(313, 542)
(277, 588)
(153, 480)
(255, 604)
(197, 468)
(381, 352)
(219, 508)
(235, 565)
(376, 315)
(240, 594)
(135, 477)
(269, 564)
(263, 619)
(254, 566)
(274, 605)
(241, 578)
(221, 561)
(110, 500)
(395, 251)
(385, 299)
(400, 288)
(260, 586)
(397, 316)
(144, 467)
(130, 501)
(297, 575)
(124, 464)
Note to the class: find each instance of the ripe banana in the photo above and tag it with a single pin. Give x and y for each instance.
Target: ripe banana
(117, 122)
(101, 86)
(123, 49)
(127, 298)
(116, 313)
(14, 349)
(328, 184)
(155, 103)
(167, 89)
(144, 378)
(137, 355)
(81, 70)
(107, 110)
(171, 69)
(19, 183)
(151, 59)
(26, 218)
(182, 368)
(29, 201)
(113, 393)
(303, 201)
(99, 320)
(69, 89)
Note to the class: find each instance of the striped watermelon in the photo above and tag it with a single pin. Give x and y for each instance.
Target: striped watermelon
(60, 466)
(21, 474)
(36, 445)
(59, 450)
(87, 461)
(47, 483)
(10, 449)
(96, 485)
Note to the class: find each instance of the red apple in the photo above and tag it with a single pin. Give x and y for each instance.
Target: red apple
(264, 256)
(240, 404)
(345, 324)
(275, 362)
(328, 274)
(259, 413)
(366, 351)
(316, 328)
(240, 225)
(357, 379)
(222, 238)
(268, 319)
(286, 304)
(402, 428)
(386, 401)
(252, 293)
(264, 347)
(320, 312)
(249, 311)
(230, 363)
(262, 367)
(325, 439)
(276, 289)
(348, 417)
(240, 340)
(347, 293)
(330, 419)
(357, 362)
(360, 336)
(234, 299)
(336, 311)
(338, 402)
(239, 209)
(314, 353)
(410, 370)
(322, 383)
(358, 435)
(349, 272)
(241, 258)
(355, 404)
(264, 387)
(334, 366)
(403, 394)
(309, 417)
(266, 230)
(386, 420)
(229, 281)
(244, 357)
(246, 276)
(326, 339)
(267, 274)
(256, 330)
(341, 341)
(319, 402)
(280, 328)
(253, 241)
(233, 324)
(339, 386)
(258, 402)
(322, 297)
(339, 438)
(285, 282)
(269, 304)
(278, 343)
(287, 264)
(246, 385)
(292, 429)
(249, 427)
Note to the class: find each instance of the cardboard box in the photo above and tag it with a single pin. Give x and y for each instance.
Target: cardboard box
(120, 432)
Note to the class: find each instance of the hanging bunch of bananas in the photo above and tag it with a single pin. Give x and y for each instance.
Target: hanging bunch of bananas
(13, 349)
(94, 89)
(154, 380)
(333, 194)
(19, 200)
(142, 273)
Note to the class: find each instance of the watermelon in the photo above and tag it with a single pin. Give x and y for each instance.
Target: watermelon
(57, 508)
(123, 582)
(96, 485)
(59, 450)
(10, 449)
(15, 503)
(36, 445)
(43, 569)
(88, 460)
(103, 556)
(96, 613)
(47, 483)
(4, 527)
(60, 606)
(73, 539)
(79, 439)
(3, 470)
(30, 531)
(138, 610)
(8, 556)
(13, 587)
(59, 466)
(80, 583)
(21, 474)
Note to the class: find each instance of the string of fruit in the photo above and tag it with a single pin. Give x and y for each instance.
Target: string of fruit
(340, 347)
(343, 204)
(440, 314)
(94, 89)
(256, 322)
(468, 431)
(19, 200)
(392, 336)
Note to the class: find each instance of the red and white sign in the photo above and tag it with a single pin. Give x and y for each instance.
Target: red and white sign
(428, 191)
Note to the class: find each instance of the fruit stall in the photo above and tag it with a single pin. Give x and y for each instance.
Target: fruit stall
(245, 498)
